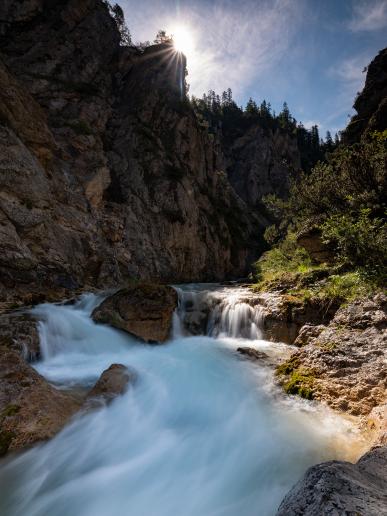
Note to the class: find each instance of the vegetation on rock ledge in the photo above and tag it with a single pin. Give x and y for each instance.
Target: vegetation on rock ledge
(345, 201)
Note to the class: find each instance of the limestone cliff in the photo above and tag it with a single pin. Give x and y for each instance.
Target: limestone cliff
(106, 173)
(259, 161)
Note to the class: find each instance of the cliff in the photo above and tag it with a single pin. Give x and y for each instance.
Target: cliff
(106, 173)
(371, 103)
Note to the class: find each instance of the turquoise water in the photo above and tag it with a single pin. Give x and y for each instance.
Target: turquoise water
(201, 433)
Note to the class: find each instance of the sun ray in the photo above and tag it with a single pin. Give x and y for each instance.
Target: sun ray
(183, 40)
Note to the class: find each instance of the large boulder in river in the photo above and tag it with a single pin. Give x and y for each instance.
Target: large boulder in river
(337, 487)
(31, 410)
(143, 310)
(113, 382)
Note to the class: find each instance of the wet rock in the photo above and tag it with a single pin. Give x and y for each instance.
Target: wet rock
(252, 354)
(377, 423)
(144, 310)
(339, 488)
(285, 315)
(113, 382)
(346, 359)
(31, 410)
(308, 332)
(18, 331)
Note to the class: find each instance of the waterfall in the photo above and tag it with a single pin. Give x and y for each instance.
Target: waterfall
(220, 312)
(202, 432)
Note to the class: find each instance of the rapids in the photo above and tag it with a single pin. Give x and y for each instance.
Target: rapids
(203, 432)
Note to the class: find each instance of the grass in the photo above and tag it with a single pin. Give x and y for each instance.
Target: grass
(288, 268)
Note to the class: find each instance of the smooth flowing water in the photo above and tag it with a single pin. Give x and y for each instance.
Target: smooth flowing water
(201, 433)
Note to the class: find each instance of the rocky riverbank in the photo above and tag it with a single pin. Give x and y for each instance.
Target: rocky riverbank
(337, 357)
(31, 408)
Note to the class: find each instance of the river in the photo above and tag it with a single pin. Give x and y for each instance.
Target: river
(202, 432)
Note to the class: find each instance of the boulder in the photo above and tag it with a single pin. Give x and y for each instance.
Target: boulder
(113, 382)
(144, 311)
(337, 488)
(31, 410)
(308, 332)
(310, 239)
(346, 358)
(19, 331)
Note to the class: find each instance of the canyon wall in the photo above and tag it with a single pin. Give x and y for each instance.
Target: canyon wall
(371, 102)
(106, 174)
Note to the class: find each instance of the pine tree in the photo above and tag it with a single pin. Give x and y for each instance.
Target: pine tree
(162, 37)
(251, 108)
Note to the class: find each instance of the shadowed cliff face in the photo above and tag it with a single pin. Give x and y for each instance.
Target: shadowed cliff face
(105, 172)
(371, 103)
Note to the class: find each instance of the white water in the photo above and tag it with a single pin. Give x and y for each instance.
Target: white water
(202, 433)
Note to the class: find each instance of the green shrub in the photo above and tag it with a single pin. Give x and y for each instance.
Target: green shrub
(359, 238)
(285, 259)
(345, 198)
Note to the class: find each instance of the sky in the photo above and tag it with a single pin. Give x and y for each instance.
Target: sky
(309, 53)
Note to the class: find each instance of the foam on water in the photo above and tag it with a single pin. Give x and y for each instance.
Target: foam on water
(202, 432)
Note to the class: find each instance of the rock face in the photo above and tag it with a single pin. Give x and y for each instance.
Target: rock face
(19, 331)
(341, 488)
(31, 409)
(310, 239)
(105, 171)
(113, 382)
(258, 162)
(145, 311)
(371, 103)
(344, 363)
(284, 316)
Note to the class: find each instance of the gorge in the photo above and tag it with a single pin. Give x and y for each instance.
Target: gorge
(200, 430)
(169, 341)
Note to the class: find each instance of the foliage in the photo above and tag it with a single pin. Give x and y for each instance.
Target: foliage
(346, 198)
(301, 382)
(289, 267)
(359, 239)
(349, 286)
(282, 260)
(118, 16)
(221, 111)
(162, 37)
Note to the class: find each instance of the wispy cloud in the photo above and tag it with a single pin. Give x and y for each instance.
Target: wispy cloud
(349, 76)
(308, 124)
(234, 41)
(350, 71)
(368, 15)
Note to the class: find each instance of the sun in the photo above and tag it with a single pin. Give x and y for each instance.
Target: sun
(183, 40)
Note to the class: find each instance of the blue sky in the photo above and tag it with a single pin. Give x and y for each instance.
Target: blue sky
(310, 53)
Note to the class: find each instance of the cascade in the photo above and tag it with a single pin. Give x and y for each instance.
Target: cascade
(217, 312)
(202, 432)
